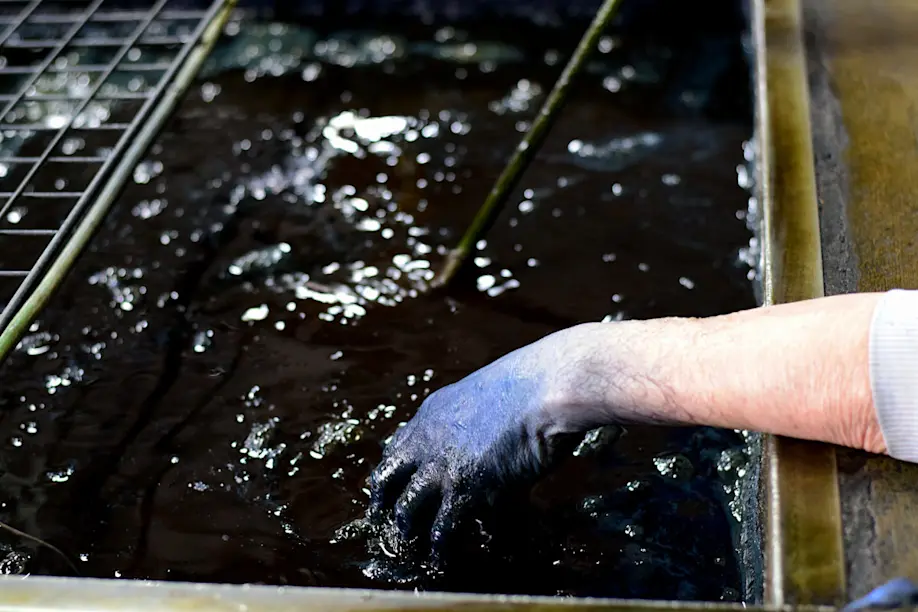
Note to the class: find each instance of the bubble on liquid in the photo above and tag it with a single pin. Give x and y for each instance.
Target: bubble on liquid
(257, 444)
(147, 171)
(674, 466)
(258, 313)
(14, 563)
(16, 214)
(202, 340)
(612, 84)
(210, 91)
(521, 98)
(61, 475)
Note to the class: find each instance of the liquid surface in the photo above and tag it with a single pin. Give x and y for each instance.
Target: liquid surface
(206, 395)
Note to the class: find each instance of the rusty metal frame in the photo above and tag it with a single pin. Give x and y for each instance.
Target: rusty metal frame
(863, 71)
(32, 594)
(804, 556)
(34, 281)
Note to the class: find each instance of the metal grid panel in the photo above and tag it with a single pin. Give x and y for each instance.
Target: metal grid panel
(78, 79)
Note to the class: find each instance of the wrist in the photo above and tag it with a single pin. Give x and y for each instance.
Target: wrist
(621, 373)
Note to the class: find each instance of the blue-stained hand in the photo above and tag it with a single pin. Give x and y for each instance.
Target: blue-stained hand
(899, 593)
(502, 425)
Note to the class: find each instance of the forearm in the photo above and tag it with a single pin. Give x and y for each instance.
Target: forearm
(799, 370)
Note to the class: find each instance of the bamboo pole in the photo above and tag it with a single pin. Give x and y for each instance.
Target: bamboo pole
(526, 150)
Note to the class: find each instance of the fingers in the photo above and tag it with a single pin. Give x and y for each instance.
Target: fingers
(424, 488)
(427, 488)
(387, 481)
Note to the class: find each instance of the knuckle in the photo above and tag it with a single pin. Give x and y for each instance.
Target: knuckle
(403, 507)
(444, 517)
(418, 486)
(377, 479)
(383, 471)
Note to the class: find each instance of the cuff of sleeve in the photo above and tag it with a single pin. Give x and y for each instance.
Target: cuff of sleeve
(894, 371)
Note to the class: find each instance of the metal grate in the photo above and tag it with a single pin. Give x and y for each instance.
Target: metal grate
(79, 79)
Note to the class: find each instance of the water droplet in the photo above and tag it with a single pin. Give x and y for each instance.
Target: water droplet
(259, 313)
(671, 179)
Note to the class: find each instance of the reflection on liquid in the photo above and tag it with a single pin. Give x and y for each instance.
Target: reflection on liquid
(207, 394)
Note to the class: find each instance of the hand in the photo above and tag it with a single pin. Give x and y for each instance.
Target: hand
(898, 593)
(499, 426)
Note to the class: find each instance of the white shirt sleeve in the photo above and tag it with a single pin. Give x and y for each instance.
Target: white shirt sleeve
(894, 371)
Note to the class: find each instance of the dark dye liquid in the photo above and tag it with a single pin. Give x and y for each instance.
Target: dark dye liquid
(207, 393)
